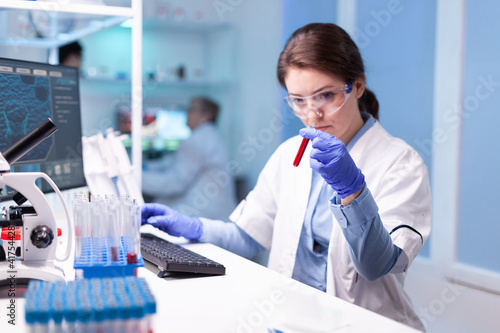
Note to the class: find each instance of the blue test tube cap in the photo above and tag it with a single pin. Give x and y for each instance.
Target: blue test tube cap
(44, 313)
(31, 313)
(69, 315)
(113, 310)
(139, 308)
(127, 311)
(57, 311)
(98, 310)
(150, 305)
(85, 314)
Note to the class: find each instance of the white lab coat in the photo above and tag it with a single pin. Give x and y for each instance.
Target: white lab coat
(274, 210)
(196, 181)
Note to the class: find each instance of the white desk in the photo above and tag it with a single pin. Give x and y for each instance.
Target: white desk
(249, 298)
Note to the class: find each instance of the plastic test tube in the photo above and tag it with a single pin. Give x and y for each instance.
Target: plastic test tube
(114, 228)
(80, 217)
(98, 232)
(95, 213)
(136, 233)
(127, 215)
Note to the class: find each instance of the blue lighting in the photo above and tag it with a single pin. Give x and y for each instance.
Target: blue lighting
(127, 23)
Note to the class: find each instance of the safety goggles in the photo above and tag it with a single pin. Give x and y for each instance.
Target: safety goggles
(328, 100)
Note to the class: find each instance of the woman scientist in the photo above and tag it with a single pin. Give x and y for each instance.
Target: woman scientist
(350, 221)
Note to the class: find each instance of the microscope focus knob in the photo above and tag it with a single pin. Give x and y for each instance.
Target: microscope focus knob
(42, 236)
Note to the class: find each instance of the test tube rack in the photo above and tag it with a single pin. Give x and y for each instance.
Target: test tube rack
(96, 259)
(123, 304)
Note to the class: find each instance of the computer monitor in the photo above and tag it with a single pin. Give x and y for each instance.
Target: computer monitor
(170, 127)
(171, 124)
(29, 94)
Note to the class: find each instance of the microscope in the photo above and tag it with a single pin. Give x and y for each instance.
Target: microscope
(29, 231)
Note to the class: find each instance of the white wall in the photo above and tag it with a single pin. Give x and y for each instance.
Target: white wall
(254, 133)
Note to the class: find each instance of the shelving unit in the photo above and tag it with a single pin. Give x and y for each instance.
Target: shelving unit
(205, 48)
(53, 17)
(165, 84)
(166, 43)
(186, 26)
(90, 19)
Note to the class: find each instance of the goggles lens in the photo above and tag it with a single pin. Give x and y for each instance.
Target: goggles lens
(329, 100)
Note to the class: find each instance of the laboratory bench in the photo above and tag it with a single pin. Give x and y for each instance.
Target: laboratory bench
(248, 298)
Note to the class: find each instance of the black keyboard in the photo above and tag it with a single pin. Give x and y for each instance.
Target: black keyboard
(171, 257)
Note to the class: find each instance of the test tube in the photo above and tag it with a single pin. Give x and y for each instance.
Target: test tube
(125, 213)
(94, 209)
(136, 232)
(300, 152)
(80, 217)
(98, 232)
(114, 228)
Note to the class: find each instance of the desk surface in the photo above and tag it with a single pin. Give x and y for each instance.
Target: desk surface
(249, 298)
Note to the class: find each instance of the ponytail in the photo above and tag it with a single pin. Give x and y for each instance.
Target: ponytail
(368, 102)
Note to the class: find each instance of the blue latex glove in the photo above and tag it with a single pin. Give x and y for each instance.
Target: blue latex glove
(330, 158)
(171, 221)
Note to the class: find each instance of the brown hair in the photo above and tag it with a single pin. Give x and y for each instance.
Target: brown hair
(327, 48)
(208, 106)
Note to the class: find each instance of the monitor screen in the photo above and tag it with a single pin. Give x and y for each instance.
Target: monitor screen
(169, 128)
(172, 124)
(29, 94)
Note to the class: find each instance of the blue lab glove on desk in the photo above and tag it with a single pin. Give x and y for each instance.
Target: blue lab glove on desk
(330, 158)
(171, 221)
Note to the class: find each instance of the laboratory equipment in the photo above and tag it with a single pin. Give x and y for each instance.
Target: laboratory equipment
(130, 214)
(120, 304)
(107, 166)
(170, 257)
(31, 92)
(114, 227)
(38, 234)
(109, 246)
(81, 220)
(300, 152)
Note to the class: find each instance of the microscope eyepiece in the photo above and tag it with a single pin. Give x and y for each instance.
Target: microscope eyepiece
(30, 141)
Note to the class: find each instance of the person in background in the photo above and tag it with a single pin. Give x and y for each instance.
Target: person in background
(195, 180)
(71, 55)
(350, 219)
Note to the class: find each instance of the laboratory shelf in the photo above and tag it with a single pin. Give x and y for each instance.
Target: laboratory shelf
(190, 84)
(164, 84)
(75, 8)
(89, 27)
(51, 24)
(186, 26)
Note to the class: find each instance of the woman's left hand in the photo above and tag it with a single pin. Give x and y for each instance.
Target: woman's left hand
(330, 158)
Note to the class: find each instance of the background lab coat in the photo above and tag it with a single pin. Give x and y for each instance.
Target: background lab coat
(273, 213)
(195, 181)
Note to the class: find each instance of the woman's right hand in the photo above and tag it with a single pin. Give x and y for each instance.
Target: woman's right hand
(171, 221)
(331, 159)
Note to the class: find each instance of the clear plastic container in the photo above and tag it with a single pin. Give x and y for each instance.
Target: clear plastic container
(136, 232)
(81, 220)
